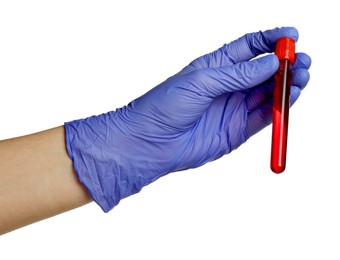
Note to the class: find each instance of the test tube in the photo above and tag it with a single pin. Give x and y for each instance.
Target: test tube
(285, 51)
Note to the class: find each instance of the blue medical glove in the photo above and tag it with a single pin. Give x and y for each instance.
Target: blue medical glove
(198, 115)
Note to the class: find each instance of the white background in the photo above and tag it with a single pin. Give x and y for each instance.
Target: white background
(64, 60)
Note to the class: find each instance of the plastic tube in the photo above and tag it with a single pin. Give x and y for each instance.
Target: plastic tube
(285, 51)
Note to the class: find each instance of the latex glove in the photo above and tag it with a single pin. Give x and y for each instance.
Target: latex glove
(204, 112)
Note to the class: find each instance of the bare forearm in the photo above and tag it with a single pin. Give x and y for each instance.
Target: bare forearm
(37, 179)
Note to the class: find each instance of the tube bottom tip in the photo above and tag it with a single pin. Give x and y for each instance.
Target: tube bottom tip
(277, 169)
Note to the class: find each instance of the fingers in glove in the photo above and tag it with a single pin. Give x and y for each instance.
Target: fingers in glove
(259, 96)
(243, 49)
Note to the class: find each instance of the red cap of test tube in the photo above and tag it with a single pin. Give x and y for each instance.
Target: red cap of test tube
(285, 49)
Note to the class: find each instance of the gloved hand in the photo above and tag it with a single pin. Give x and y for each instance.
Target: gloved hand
(198, 115)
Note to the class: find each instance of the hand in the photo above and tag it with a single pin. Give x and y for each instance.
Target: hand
(205, 111)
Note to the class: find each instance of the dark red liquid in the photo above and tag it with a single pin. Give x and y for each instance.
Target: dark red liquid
(283, 80)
